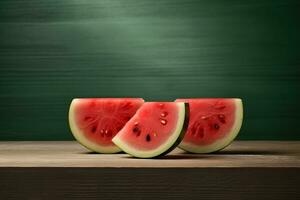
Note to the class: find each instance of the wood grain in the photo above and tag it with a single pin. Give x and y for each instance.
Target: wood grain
(245, 154)
(65, 170)
(150, 183)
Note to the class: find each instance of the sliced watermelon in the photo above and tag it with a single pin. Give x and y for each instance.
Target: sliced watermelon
(95, 121)
(214, 123)
(156, 129)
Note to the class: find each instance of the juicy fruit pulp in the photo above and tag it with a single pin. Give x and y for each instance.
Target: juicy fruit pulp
(214, 123)
(95, 121)
(154, 130)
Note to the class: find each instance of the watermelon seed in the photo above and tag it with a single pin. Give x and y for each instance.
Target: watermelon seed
(87, 118)
(148, 138)
(102, 132)
(155, 134)
(204, 117)
(164, 114)
(108, 133)
(221, 118)
(163, 121)
(136, 123)
(135, 129)
(216, 126)
(161, 105)
(94, 128)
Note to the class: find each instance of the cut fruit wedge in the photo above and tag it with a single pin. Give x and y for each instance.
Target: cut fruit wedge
(95, 121)
(156, 129)
(214, 123)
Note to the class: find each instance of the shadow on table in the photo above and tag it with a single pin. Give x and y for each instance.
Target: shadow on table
(92, 152)
(247, 152)
(186, 155)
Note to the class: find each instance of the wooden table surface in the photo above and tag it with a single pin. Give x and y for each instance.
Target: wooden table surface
(65, 170)
(71, 154)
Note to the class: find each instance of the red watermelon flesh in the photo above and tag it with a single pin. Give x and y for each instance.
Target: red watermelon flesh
(95, 121)
(154, 130)
(213, 124)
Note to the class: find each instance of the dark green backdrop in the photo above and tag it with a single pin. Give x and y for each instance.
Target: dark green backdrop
(54, 50)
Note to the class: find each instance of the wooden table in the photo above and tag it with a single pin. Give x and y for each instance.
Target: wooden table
(66, 170)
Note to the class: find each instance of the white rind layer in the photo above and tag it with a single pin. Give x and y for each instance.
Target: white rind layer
(221, 143)
(79, 135)
(161, 149)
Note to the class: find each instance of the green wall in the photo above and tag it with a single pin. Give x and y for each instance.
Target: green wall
(54, 50)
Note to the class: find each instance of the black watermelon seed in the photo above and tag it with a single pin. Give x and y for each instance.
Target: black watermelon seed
(148, 138)
(135, 129)
(87, 118)
(94, 128)
(216, 126)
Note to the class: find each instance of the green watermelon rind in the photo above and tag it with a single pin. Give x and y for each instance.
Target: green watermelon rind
(221, 143)
(79, 135)
(183, 131)
(175, 138)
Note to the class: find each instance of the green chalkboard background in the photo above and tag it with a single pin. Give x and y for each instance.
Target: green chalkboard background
(54, 50)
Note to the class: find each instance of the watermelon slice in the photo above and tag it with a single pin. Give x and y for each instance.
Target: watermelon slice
(156, 129)
(214, 123)
(95, 121)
